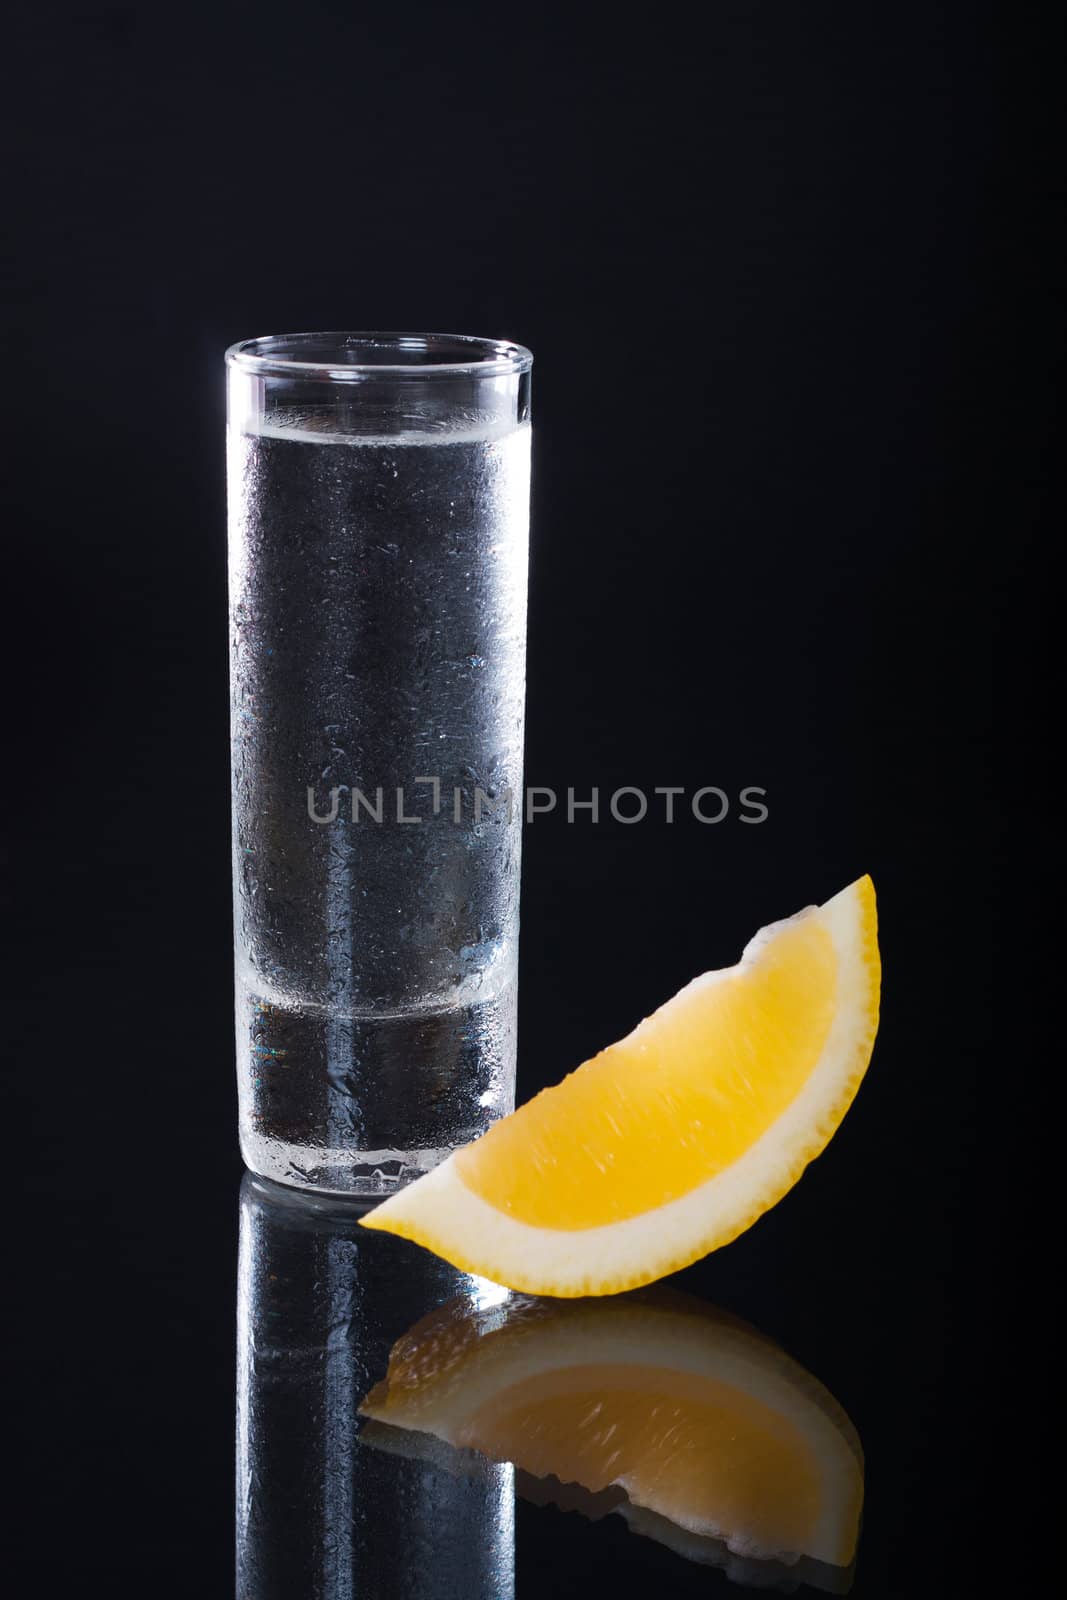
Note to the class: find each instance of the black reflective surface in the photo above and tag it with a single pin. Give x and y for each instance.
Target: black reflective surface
(383, 1399)
(127, 1396)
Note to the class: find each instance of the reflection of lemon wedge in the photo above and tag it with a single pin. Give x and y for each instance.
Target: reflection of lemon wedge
(673, 1141)
(695, 1417)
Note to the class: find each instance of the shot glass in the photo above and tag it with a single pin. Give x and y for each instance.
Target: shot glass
(378, 533)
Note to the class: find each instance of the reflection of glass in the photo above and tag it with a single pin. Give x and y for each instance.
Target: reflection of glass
(319, 1517)
(700, 1431)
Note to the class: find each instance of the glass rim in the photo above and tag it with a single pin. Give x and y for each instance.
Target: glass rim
(277, 354)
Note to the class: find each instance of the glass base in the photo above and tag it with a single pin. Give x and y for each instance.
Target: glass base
(362, 1105)
(370, 1172)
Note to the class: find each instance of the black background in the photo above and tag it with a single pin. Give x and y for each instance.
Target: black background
(750, 246)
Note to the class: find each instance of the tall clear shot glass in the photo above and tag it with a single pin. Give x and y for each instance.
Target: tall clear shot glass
(378, 532)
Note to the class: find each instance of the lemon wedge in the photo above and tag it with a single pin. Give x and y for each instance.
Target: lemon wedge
(673, 1141)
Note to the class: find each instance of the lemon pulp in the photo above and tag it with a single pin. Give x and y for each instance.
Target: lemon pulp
(673, 1104)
